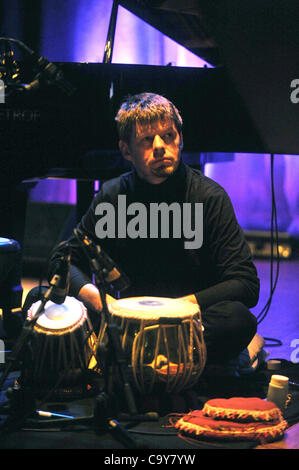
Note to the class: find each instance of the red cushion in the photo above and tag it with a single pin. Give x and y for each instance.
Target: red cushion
(196, 425)
(241, 409)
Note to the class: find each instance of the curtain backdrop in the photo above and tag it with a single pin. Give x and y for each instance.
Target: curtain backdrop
(75, 30)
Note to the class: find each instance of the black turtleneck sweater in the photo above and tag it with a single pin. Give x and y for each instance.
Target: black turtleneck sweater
(221, 269)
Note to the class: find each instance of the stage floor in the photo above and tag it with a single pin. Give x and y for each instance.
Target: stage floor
(282, 320)
(280, 324)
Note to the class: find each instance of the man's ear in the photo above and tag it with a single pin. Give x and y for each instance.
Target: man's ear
(124, 148)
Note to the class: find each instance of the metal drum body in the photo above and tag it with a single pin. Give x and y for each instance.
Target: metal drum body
(163, 341)
(62, 344)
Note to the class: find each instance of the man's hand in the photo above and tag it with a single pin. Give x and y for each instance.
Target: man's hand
(91, 298)
(190, 298)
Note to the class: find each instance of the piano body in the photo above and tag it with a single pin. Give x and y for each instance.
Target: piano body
(242, 104)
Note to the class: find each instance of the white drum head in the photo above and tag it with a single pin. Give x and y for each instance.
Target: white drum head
(59, 316)
(152, 308)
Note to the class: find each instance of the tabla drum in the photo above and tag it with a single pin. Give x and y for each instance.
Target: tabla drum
(163, 342)
(63, 347)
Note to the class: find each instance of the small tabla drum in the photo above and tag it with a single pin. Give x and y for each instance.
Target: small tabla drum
(163, 342)
(63, 347)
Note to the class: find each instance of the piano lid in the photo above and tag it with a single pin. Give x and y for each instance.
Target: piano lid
(257, 41)
(182, 21)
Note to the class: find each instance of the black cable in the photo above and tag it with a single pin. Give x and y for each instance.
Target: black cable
(19, 43)
(274, 227)
(274, 342)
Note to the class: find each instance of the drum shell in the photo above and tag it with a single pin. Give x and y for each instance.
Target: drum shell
(169, 338)
(165, 352)
(61, 357)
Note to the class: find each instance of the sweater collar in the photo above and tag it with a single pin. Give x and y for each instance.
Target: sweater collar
(173, 188)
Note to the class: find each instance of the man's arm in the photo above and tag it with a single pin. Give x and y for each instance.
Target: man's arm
(91, 298)
(227, 290)
(227, 253)
(80, 271)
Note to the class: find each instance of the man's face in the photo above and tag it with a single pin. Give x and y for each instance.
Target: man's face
(154, 150)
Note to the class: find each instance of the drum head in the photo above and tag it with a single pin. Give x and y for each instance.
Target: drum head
(59, 316)
(152, 308)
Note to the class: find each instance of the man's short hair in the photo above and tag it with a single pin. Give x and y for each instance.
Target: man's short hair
(145, 108)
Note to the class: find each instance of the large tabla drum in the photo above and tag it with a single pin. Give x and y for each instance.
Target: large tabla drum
(163, 342)
(63, 347)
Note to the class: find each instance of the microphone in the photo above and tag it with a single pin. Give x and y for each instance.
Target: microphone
(62, 277)
(47, 71)
(51, 74)
(101, 261)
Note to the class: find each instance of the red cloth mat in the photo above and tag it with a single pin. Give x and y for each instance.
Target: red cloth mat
(234, 419)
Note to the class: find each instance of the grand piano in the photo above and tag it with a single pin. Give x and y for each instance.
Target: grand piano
(240, 104)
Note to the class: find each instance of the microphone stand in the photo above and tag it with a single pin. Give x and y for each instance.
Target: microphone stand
(26, 402)
(114, 356)
(115, 352)
(27, 329)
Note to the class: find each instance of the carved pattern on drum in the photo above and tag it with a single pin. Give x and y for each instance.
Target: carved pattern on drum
(163, 341)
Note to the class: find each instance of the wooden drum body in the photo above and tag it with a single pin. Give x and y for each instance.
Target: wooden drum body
(163, 341)
(63, 345)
